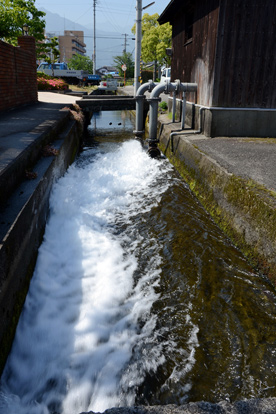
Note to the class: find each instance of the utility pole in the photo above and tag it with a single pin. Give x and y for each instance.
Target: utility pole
(125, 43)
(94, 38)
(138, 39)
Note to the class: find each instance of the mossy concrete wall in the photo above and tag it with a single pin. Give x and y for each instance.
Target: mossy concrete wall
(244, 210)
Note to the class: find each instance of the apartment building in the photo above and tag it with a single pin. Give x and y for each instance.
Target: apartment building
(71, 43)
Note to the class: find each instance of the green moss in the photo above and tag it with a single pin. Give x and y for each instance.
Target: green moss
(254, 200)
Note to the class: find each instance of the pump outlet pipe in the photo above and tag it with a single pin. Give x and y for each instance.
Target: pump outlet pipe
(140, 98)
(154, 99)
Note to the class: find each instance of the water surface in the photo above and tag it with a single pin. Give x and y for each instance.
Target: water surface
(137, 296)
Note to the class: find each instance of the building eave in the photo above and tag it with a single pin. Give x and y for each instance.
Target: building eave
(167, 15)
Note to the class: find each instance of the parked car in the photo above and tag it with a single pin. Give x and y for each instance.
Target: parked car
(109, 85)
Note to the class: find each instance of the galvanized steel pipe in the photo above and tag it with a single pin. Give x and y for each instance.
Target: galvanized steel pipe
(140, 97)
(165, 87)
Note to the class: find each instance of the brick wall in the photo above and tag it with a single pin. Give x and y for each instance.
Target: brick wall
(18, 82)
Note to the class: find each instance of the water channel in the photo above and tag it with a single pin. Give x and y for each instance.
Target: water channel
(137, 296)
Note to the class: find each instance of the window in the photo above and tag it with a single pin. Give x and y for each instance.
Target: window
(189, 25)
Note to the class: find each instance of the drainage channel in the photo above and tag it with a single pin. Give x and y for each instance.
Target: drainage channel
(137, 296)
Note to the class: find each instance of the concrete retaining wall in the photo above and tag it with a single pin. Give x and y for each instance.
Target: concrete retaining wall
(254, 406)
(18, 81)
(229, 122)
(25, 218)
(243, 209)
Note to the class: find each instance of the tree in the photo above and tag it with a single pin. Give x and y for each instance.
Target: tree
(156, 39)
(80, 62)
(125, 59)
(14, 14)
(48, 51)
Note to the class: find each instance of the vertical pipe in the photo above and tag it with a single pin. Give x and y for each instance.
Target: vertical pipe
(138, 39)
(94, 38)
(153, 115)
(174, 105)
(139, 113)
(183, 111)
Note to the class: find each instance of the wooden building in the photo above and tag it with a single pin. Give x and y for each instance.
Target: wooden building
(228, 47)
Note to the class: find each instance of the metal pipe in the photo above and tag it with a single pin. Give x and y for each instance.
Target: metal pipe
(174, 105)
(183, 110)
(176, 133)
(165, 87)
(138, 40)
(140, 97)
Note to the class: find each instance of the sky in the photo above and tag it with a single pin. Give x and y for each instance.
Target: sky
(116, 16)
(113, 19)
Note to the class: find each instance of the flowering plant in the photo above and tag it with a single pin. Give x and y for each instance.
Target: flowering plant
(48, 83)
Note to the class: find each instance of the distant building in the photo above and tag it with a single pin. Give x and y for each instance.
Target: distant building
(228, 49)
(70, 44)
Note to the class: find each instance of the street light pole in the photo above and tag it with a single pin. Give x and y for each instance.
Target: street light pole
(138, 39)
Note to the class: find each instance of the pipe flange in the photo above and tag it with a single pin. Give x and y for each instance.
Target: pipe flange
(153, 142)
(167, 88)
(138, 134)
(177, 86)
(155, 99)
(154, 152)
(139, 97)
(151, 85)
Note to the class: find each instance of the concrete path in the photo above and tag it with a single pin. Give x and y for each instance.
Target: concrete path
(58, 98)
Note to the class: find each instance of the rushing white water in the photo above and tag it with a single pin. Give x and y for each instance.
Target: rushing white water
(85, 311)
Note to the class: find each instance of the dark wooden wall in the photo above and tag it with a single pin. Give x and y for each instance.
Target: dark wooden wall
(232, 54)
(194, 60)
(246, 58)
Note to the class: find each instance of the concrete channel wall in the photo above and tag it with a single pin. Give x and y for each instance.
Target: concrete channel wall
(23, 220)
(253, 406)
(244, 209)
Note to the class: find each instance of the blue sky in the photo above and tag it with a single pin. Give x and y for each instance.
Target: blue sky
(115, 16)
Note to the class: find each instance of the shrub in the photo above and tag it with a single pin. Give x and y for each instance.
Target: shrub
(49, 83)
(163, 105)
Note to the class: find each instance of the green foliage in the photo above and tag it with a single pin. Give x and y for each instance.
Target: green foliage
(48, 51)
(163, 105)
(14, 14)
(126, 59)
(155, 39)
(79, 62)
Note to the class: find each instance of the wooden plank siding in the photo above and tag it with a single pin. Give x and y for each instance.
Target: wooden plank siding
(232, 53)
(247, 58)
(194, 58)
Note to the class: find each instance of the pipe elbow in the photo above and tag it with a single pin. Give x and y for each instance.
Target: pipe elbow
(159, 88)
(148, 86)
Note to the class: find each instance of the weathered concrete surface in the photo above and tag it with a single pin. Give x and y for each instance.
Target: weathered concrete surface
(254, 406)
(24, 202)
(234, 179)
(229, 122)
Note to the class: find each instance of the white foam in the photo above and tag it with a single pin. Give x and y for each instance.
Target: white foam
(82, 317)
